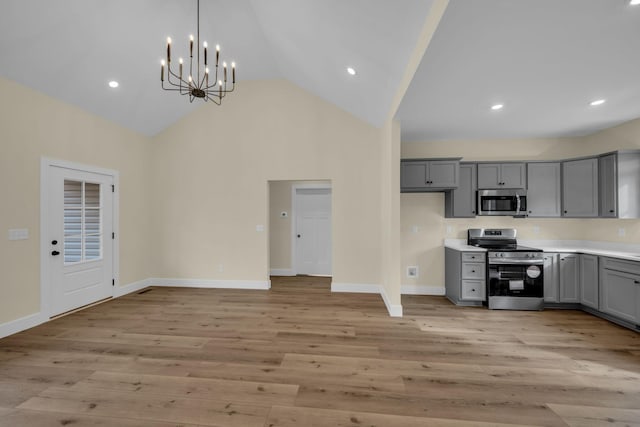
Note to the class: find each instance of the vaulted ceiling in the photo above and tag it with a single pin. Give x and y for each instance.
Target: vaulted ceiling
(544, 60)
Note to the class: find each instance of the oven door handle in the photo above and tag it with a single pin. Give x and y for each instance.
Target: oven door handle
(503, 261)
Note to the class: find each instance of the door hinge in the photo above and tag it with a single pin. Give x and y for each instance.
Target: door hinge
(113, 188)
(113, 235)
(113, 282)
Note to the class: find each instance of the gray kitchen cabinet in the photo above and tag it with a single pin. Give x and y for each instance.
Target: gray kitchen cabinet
(569, 278)
(589, 283)
(461, 202)
(465, 277)
(551, 276)
(619, 185)
(544, 189)
(421, 175)
(580, 188)
(501, 175)
(620, 289)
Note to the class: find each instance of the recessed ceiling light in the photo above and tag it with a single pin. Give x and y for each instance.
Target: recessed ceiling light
(634, 2)
(351, 71)
(113, 84)
(497, 107)
(597, 102)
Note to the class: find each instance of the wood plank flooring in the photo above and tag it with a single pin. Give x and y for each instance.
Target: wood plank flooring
(298, 355)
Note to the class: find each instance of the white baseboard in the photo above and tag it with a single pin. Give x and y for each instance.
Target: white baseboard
(22, 324)
(131, 287)
(421, 290)
(395, 310)
(282, 272)
(212, 284)
(361, 288)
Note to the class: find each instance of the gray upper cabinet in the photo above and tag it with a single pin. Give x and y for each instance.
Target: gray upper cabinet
(544, 189)
(461, 202)
(619, 185)
(429, 175)
(501, 175)
(580, 188)
(589, 288)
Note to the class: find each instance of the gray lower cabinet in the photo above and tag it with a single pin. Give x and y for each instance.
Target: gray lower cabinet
(569, 290)
(620, 289)
(589, 283)
(465, 277)
(461, 202)
(544, 189)
(501, 175)
(580, 188)
(551, 276)
(429, 175)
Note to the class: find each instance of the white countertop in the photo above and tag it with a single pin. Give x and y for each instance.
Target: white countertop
(615, 250)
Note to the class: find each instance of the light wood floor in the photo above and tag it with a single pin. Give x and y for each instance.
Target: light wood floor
(300, 356)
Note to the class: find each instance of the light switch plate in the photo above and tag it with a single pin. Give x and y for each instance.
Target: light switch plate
(412, 271)
(18, 234)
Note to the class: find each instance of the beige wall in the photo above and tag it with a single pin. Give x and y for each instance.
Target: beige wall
(32, 126)
(211, 172)
(426, 211)
(280, 193)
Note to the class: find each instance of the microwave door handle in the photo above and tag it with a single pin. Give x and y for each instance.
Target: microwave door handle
(517, 204)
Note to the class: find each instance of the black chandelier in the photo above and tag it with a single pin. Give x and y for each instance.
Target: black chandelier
(197, 80)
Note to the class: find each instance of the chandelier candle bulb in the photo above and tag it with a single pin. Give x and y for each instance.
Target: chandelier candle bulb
(181, 68)
(191, 45)
(233, 72)
(224, 64)
(168, 49)
(162, 71)
(217, 54)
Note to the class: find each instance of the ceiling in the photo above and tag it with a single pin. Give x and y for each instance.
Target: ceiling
(545, 60)
(71, 49)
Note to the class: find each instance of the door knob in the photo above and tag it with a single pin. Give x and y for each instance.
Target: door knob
(54, 242)
(55, 253)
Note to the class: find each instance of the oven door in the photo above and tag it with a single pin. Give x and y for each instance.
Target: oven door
(516, 280)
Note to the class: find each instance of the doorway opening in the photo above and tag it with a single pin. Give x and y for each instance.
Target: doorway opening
(300, 229)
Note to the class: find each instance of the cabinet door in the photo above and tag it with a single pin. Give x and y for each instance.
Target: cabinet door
(569, 283)
(620, 295)
(551, 278)
(607, 170)
(512, 175)
(489, 176)
(413, 174)
(461, 202)
(589, 280)
(543, 193)
(580, 188)
(443, 174)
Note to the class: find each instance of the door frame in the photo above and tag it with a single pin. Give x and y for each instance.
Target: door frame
(294, 220)
(45, 278)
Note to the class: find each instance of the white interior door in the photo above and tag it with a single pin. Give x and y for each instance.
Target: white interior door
(80, 224)
(313, 231)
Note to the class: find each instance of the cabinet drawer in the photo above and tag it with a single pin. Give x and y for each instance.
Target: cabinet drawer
(473, 257)
(620, 265)
(473, 290)
(473, 270)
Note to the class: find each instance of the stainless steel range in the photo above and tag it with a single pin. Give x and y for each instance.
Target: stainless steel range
(514, 273)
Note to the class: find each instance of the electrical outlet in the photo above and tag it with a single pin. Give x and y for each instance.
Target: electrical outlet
(536, 229)
(449, 229)
(412, 272)
(622, 232)
(415, 229)
(220, 268)
(259, 228)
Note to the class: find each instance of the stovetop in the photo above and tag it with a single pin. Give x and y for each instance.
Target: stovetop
(496, 239)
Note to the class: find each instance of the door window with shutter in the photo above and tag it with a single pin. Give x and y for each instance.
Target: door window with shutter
(82, 222)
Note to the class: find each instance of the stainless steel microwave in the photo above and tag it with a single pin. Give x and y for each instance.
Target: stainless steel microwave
(502, 202)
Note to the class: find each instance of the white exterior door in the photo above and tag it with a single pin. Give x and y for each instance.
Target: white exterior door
(79, 228)
(313, 231)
